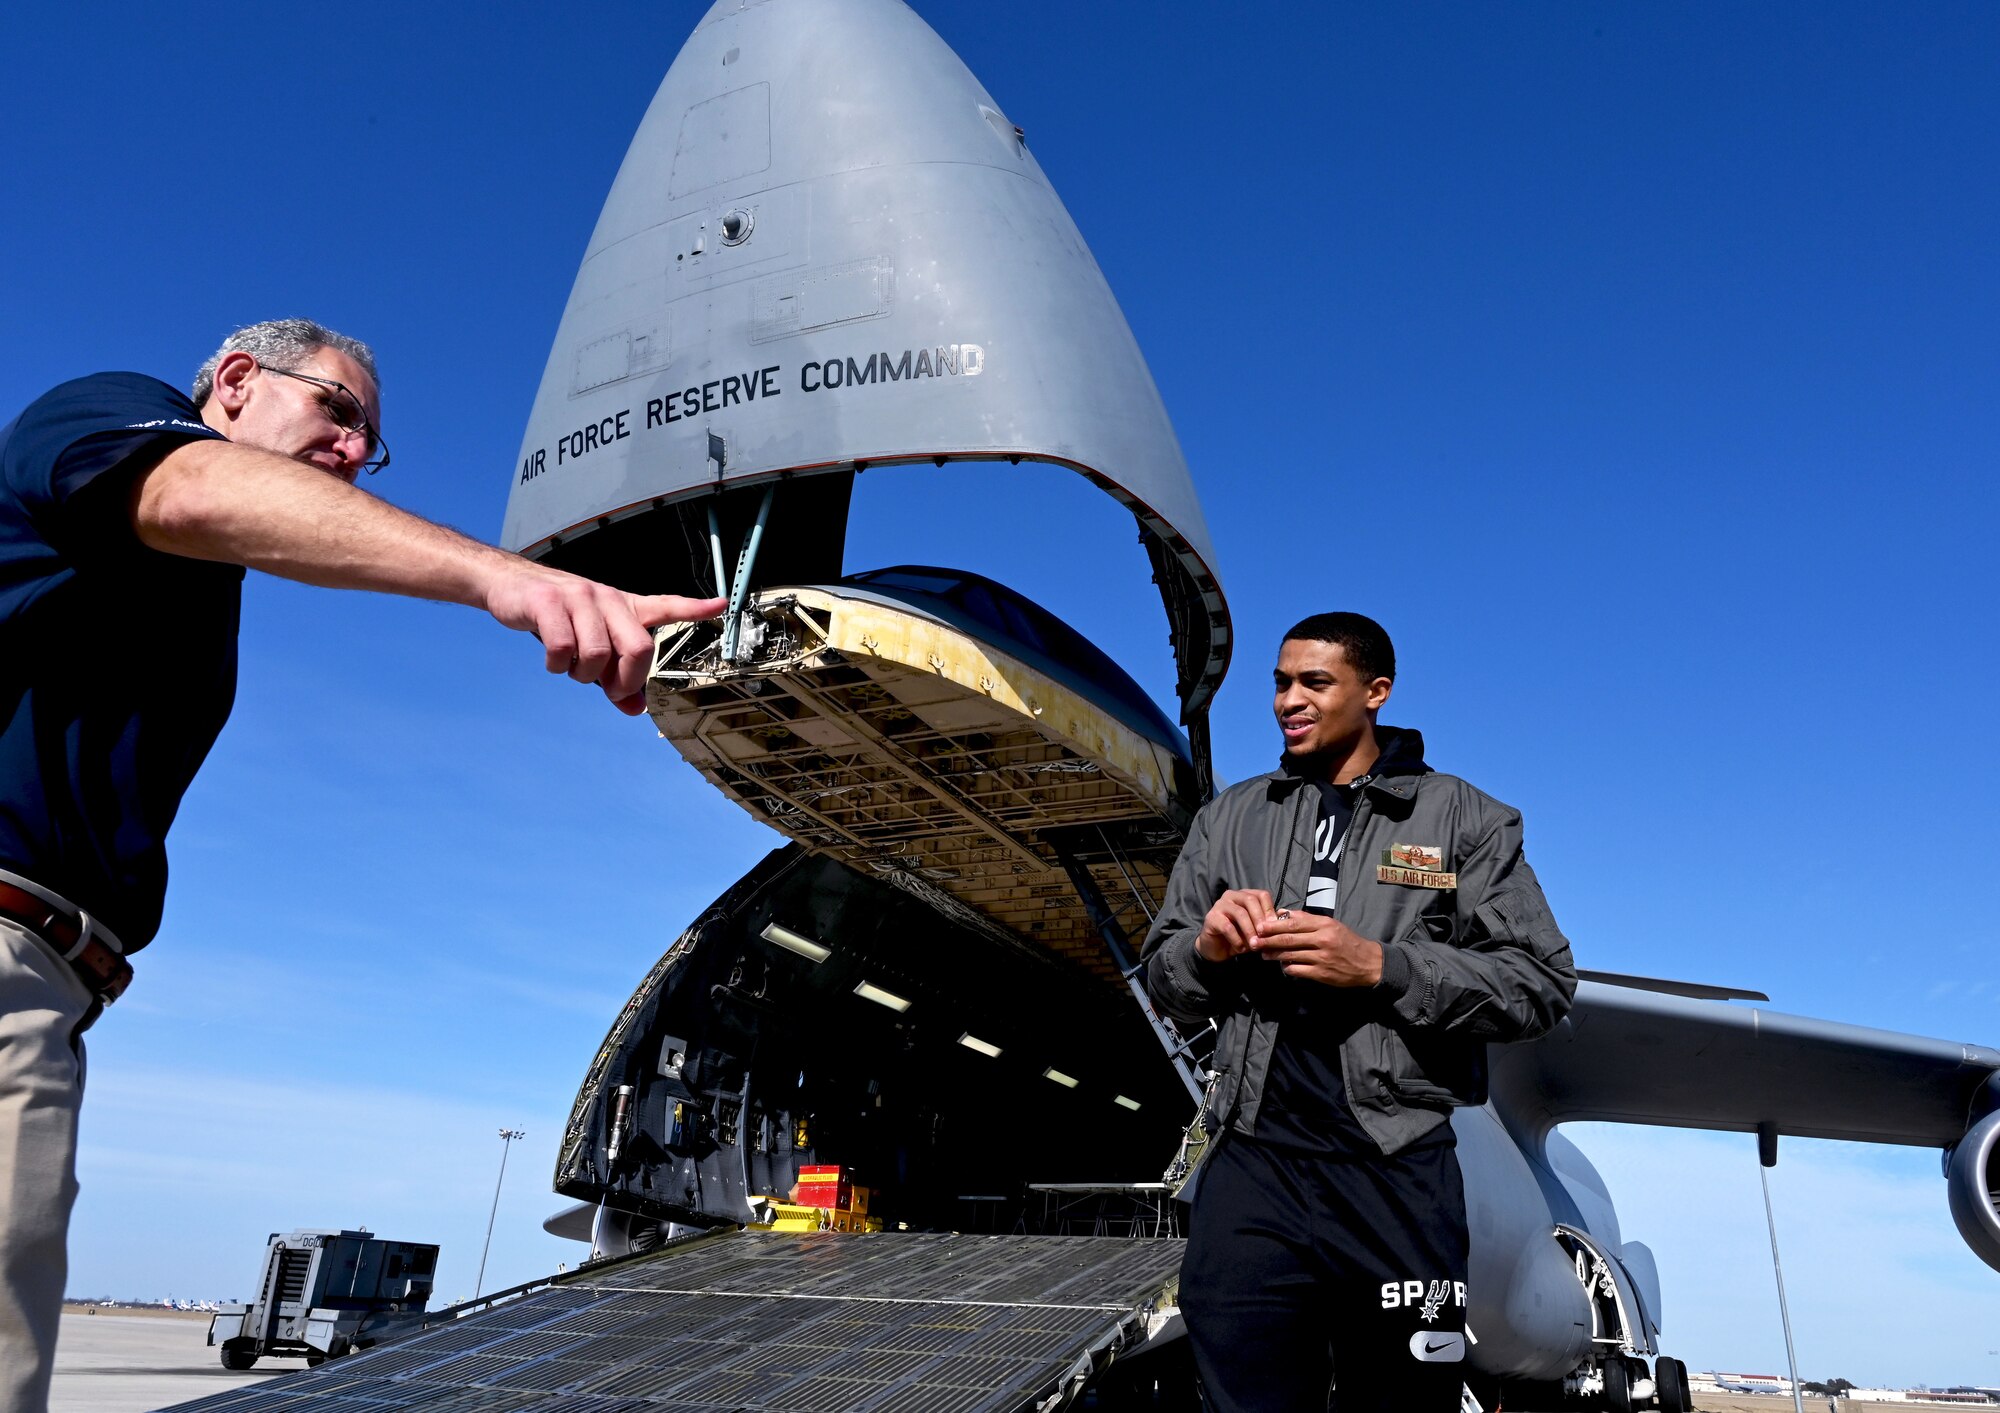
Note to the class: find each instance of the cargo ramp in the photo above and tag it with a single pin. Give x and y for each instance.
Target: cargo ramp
(840, 1322)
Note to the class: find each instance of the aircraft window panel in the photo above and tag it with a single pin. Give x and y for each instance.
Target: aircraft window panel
(923, 583)
(1024, 627)
(977, 600)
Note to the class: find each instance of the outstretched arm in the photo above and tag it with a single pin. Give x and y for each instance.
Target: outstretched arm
(219, 501)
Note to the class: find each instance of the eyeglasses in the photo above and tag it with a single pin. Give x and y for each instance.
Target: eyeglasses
(341, 405)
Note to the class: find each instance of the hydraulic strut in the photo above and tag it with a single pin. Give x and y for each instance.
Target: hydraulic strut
(1105, 921)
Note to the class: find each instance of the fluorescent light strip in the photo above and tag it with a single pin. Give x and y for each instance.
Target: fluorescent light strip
(792, 942)
(1060, 1078)
(881, 997)
(984, 1047)
(1122, 1102)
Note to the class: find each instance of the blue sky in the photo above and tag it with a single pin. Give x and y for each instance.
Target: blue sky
(1635, 365)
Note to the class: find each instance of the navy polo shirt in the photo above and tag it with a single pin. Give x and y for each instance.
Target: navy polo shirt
(117, 663)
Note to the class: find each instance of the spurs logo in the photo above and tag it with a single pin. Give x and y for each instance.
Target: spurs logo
(1428, 1300)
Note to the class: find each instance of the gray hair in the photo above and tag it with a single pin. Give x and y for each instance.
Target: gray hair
(282, 344)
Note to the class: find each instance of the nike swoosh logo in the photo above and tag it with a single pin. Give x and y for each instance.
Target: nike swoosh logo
(1430, 1348)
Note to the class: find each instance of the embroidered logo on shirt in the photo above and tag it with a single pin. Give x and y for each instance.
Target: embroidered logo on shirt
(181, 422)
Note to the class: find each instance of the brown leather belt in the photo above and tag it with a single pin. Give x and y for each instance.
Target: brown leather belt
(96, 963)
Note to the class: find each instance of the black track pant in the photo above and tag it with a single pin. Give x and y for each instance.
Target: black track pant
(1302, 1272)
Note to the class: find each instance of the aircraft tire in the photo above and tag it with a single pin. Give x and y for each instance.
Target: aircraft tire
(237, 1359)
(1617, 1386)
(1670, 1388)
(1687, 1387)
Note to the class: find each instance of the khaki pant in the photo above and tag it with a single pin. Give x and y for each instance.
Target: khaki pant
(41, 1089)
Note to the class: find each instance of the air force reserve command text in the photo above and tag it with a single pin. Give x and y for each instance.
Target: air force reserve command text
(950, 360)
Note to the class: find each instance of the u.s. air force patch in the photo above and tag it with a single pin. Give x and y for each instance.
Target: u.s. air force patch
(1415, 866)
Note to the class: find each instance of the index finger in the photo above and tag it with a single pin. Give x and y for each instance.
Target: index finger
(655, 609)
(624, 676)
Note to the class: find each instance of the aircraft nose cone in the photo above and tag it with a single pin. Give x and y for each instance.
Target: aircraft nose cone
(829, 245)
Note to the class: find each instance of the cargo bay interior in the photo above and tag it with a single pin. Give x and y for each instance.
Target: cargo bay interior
(814, 1015)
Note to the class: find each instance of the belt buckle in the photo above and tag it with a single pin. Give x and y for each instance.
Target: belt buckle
(112, 979)
(86, 930)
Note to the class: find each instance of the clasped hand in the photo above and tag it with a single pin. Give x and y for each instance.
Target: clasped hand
(1307, 945)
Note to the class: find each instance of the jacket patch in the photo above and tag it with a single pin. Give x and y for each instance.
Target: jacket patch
(1415, 877)
(1415, 866)
(1428, 857)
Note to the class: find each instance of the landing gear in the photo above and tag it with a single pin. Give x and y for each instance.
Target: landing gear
(1617, 1397)
(1671, 1386)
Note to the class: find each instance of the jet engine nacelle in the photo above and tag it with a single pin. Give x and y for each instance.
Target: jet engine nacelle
(1972, 1171)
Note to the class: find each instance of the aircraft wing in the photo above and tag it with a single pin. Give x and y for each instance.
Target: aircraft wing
(1631, 1056)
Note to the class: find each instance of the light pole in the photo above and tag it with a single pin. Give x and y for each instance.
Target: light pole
(507, 1136)
(1767, 1157)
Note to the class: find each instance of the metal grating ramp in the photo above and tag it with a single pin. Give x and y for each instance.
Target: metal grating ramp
(812, 1323)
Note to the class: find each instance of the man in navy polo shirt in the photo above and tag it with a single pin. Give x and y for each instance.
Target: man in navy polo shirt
(119, 493)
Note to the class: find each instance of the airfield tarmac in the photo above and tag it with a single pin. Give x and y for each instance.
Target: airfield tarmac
(136, 1363)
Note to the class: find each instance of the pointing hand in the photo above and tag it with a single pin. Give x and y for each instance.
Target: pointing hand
(591, 631)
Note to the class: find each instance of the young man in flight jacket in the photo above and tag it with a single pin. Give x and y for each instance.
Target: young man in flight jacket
(1359, 927)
